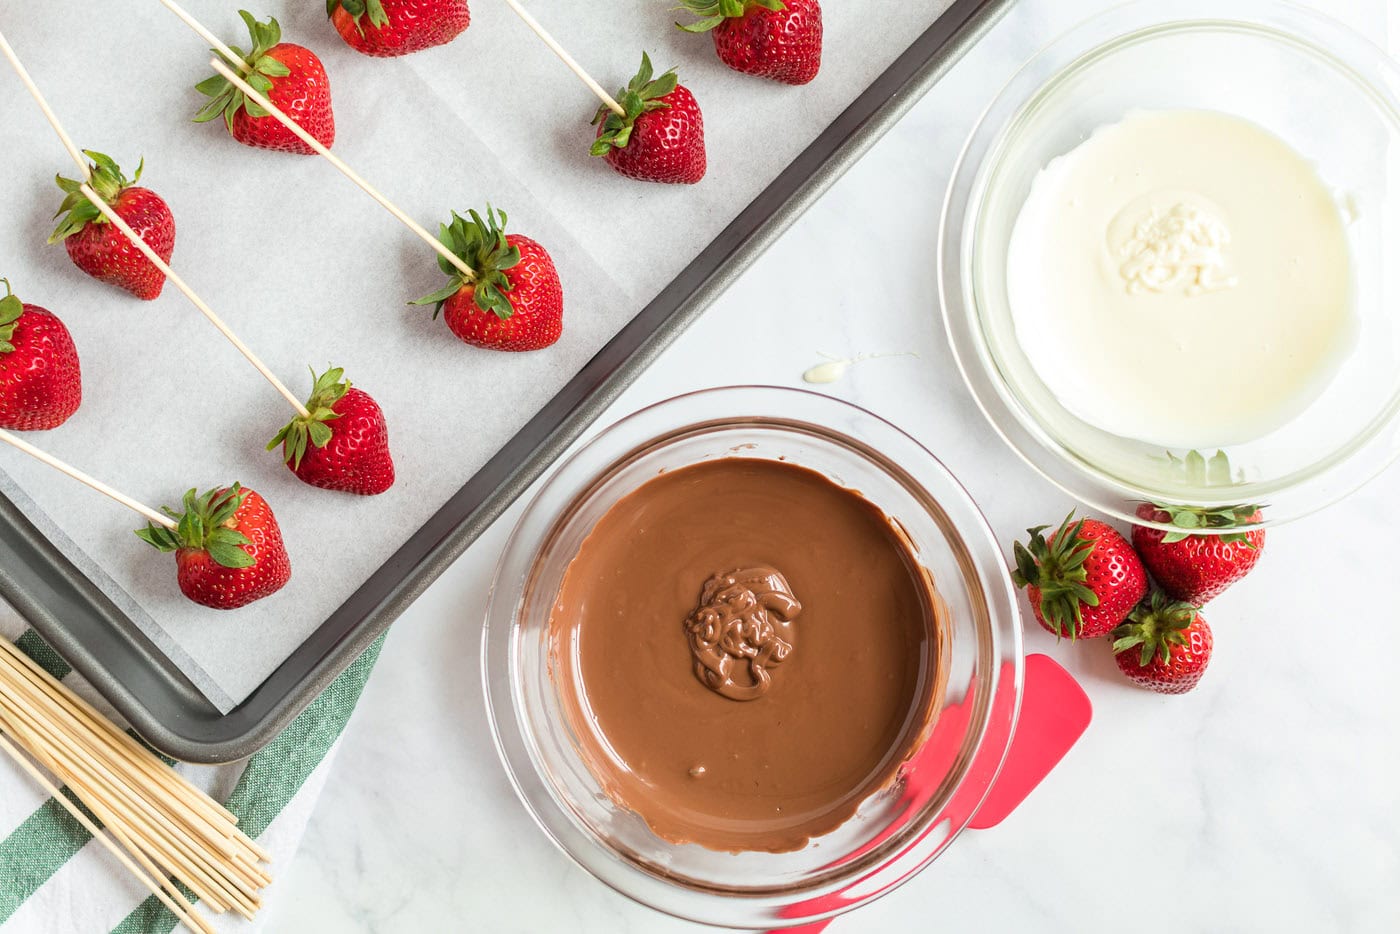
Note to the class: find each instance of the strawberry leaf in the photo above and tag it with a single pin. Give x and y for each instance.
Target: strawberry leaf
(1055, 567)
(77, 211)
(205, 524)
(482, 244)
(11, 310)
(715, 12)
(641, 95)
(1156, 624)
(311, 429)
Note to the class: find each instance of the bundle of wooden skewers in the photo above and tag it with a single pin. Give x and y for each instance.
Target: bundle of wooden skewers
(172, 837)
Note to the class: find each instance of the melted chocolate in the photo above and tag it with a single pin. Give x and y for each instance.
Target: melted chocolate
(650, 698)
(742, 627)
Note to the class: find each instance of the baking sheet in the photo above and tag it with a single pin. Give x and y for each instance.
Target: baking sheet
(309, 271)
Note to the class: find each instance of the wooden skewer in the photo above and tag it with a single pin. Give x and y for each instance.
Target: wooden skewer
(49, 115)
(144, 854)
(258, 98)
(98, 802)
(214, 41)
(189, 293)
(565, 57)
(151, 819)
(185, 913)
(145, 511)
(65, 746)
(85, 720)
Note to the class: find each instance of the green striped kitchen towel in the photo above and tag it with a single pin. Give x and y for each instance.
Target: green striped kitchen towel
(53, 882)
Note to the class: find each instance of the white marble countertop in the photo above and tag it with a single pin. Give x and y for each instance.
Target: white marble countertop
(1266, 800)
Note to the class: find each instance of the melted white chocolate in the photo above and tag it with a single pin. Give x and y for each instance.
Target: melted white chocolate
(1183, 278)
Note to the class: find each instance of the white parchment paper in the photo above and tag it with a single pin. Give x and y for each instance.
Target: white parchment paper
(309, 271)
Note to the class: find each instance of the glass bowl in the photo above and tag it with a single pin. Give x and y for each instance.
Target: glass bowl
(896, 831)
(1323, 89)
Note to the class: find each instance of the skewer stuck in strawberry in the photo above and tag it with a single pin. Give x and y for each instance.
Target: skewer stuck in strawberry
(344, 444)
(228, 548)
(777, 39)
(385, 28)
(514, 303)
(1083, 580)
(660, 137)
(1194, 567)
(101, 250)
(41, 384)
(1164, 646)
(288, 75)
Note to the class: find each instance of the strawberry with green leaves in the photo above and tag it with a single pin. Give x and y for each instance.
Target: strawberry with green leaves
(228, 548)
(1165, 645)
(288, 75)
(385, 28)
(1193, 566)
(777, 39)
(515, 301)
(343, 444)
(660, 137)
(41, 384)
(1083, 580)
(97, 247)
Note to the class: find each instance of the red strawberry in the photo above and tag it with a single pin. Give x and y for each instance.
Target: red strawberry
(514, 303)
(662, 136)
(97, 247)
(778, 39)
(1198, 568)
(40, 382)
(1165, 645)
(228, 548)
(384, 28)
(1083, 581)
(289, 76)
(344, 445)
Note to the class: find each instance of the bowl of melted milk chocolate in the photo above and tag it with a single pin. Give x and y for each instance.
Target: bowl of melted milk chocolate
(741, 667)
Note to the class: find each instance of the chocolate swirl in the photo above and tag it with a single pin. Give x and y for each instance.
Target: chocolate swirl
(737, 631)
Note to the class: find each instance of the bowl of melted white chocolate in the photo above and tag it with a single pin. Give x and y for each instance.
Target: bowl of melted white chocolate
(1167, 259)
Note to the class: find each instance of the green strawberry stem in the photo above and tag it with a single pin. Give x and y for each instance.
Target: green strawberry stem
(107, 180)
(11, 308)
(641, 95)
(1056, 569)
(205, 525)
(357, 10)
(714, 12)
(480, 243)
(327, 389)
(1154, 626)
(226, 99)
(1190, 520)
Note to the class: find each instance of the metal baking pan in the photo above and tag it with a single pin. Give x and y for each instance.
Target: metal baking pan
(107, 648)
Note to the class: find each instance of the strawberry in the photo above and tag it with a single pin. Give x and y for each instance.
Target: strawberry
(40, 382)
(344, 444)
(97, 247)
(1165, 645)
(1082, 581)
(228, 548)
(1198, 568)
(385, 28)
(778, 39)
(515, 302)
(662, 136)
(289, 76)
